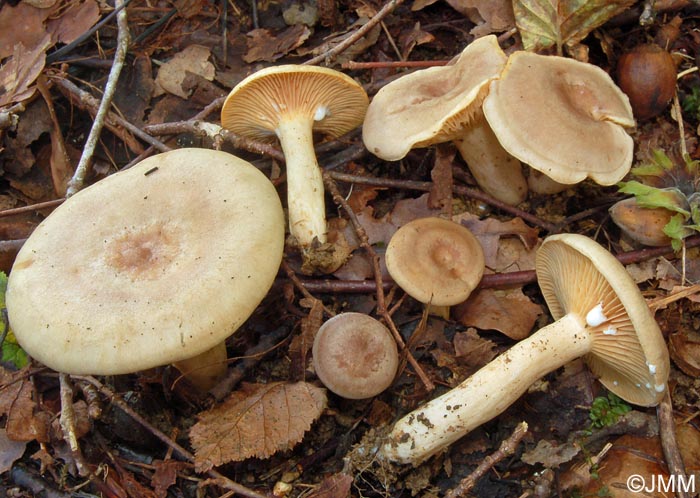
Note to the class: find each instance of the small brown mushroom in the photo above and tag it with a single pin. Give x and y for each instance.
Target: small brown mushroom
(355, 356)
(153, 265)
(435, 261)
(562, 117)
(442, 104)
(290, 103)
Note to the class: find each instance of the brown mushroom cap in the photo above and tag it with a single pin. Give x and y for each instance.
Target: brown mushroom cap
(355, 356)
(435, 261)
(155, 264)
(432, 105)
(629, 355)
(562, 117)
(254, 108)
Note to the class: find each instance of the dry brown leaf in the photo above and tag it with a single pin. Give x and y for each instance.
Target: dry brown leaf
(61, 166)
(21, 24)
(550, 454)
(440, 195)
(256, 421)
(24, 422)
(333, 486)
(489, 15)
(411, 38)
(74, 21)
(558, 23)
(263, 45)
(19, 73)
(171, 75)
(503, 253)
(10, 451)
(509, 311)
(165, 475)
(472, 349)
(301, 343)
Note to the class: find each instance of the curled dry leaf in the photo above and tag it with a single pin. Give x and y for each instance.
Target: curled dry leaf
(10, 451)
(256, 421)
(509, 311)
(263, 45)
(172, 74)
(19, 73)
(557, 23)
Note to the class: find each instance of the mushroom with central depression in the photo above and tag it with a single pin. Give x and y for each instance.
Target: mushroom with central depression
(154, 265)
(600, 315)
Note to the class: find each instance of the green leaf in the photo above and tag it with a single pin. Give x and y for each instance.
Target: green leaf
(677, 230)
(12, 352)
(558, 23)
(659, 165)
(652, 197)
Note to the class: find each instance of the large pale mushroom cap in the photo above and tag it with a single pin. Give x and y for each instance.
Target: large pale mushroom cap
(629, 355)
(562, 117)
(149, 266)
(254, 108)
(435, 261)
(431, 105)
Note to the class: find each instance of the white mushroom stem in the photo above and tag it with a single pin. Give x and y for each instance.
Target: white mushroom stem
(206, 369)
(305, 192)
(497, 172)
(488, 392)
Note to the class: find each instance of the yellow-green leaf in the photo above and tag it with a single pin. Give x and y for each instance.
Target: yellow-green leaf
(559, 23)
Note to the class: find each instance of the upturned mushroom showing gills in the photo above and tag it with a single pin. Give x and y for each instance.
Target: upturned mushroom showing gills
(291, 103)
(564, 118)
(154, 265)
(600, 315)
(435, 261)
(442, 104)
(355, 356)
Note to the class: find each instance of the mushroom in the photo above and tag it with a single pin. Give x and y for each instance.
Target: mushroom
(355, 356)
(600, 315)
(436, 261)
(290, 103)
(442, 104)
(562, 117)
(156, 264)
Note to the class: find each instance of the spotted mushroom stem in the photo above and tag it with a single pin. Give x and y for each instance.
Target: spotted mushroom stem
(497, 172)
(206, 369)
(305, 191)
(483, 396)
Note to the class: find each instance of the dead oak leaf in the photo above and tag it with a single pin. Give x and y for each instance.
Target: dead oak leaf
(263, 45)
(509, 311)
(18, 74)
(256, 421)
(562, 23)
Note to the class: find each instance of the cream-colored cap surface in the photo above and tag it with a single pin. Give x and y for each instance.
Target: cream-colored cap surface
(435, 261)
(431, 105)
(255, 106)
(629, 354)
(148, 266)
(562, 117)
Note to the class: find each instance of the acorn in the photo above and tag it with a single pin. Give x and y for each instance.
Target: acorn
(647, 74)
(643, 225)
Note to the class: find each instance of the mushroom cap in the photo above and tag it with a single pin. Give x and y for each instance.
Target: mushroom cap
(355, 356)
(629, 355)
(431, 105)
(435, 261)
(148, 266)
(562, 117)
(332, 100)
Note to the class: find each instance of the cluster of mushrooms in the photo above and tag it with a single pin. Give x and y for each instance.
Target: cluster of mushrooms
(125, 275)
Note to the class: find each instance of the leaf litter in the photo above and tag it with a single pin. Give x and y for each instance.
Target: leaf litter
(279, 423)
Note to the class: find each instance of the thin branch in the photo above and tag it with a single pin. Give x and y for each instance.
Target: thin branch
(506, 449)
(667, 433)
(379, 286)
(76, 183)
(349, 41)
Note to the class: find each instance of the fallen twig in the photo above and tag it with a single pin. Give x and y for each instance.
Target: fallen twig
(667, 434)
(507, 448)
(78, 179)
(348, 42)
(382, 310)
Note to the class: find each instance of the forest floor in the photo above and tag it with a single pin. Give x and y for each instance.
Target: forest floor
(269, 429)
